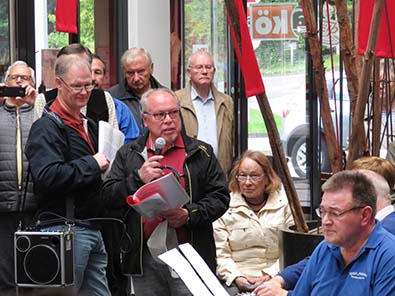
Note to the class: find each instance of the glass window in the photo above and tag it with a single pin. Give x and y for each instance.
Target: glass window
(205, 27)
(277, 35)
(4, 37)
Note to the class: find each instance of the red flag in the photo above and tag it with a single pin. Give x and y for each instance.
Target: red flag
(245, 52)
(387, 29)
(66, 16)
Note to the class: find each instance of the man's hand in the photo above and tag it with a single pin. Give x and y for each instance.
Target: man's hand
(151, 169)
(30, 95)
(102, 161)
(274, 287)
(175, 217)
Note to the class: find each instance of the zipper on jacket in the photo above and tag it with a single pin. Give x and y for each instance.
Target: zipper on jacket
(19, 150)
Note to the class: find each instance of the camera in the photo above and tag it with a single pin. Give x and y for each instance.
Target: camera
(12, 91)
(43, 259)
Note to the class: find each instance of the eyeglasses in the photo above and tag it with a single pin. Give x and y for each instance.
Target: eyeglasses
(334, 214)
(21, 77)
(253, 178)
(78, 89)
(162, 115)
(200, 68)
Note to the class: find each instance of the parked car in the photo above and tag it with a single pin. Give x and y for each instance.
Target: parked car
(295, 143)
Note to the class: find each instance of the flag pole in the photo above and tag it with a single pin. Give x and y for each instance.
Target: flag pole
(246, 57)
(357, 147)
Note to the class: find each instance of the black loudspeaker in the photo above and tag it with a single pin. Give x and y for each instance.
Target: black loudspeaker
(43, 259)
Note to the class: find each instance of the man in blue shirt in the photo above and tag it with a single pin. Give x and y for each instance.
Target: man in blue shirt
(357, 256)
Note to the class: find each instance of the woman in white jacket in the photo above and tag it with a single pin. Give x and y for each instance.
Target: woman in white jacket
(247, 234)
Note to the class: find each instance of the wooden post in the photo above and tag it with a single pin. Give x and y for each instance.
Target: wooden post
(322, 90)
(347, 50)
(357, 148)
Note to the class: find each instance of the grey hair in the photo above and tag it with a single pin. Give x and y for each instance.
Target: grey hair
(19, 63)
(147, 94)
(380, 184)
(201, 51)
(132, 53)
(64, 62)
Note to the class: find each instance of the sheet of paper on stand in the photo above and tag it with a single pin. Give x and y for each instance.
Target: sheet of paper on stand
(159, 195)
(193, 271)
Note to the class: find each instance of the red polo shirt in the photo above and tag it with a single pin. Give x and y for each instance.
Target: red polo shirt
(174, 157)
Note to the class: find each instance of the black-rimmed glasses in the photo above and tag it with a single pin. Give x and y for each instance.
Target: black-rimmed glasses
(162, 115)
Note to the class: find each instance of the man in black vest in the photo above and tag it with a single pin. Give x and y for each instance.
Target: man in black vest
(100, 105)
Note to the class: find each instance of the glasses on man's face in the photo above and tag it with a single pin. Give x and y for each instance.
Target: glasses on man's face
(201, 68)
(334, 214)
(78, 89)
(253, 178)
(162, 115)
(21, 77)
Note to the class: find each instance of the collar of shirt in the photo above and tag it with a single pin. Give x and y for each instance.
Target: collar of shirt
(384, 212)
(195, 95)
(150, 144)
(78, 124)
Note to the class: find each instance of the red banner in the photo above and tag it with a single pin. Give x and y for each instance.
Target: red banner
(384, 47)
(245, 53)
(66, 16)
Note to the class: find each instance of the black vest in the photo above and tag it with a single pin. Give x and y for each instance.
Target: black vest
(97, 108)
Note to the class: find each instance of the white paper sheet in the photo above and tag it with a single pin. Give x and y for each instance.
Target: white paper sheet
(177, 261)
(110, 140)
(203, 270)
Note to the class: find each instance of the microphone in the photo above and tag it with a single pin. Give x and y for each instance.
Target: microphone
(159, 145)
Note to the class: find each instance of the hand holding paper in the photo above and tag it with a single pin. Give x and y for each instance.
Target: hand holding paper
(158, 196)
(175, 217)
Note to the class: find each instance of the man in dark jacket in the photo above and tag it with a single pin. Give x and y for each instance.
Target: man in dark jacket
(202, 178)
(138, 69)
(66, 170)
(17, 202)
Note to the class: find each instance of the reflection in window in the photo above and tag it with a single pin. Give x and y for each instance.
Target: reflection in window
(4, 37)
(205, 27)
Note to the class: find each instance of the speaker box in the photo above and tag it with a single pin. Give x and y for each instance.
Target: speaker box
(43, 259)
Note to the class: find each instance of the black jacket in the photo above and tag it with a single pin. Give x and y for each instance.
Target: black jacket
(205, 184)
(123, 92)
(62, 165)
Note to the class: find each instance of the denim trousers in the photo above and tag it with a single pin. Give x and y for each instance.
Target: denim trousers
(90, 261)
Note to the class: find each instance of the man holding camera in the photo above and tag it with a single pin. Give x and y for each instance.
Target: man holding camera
(16, 199)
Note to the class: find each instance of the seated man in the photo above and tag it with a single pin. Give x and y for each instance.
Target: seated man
(357, 255)
(381, 173)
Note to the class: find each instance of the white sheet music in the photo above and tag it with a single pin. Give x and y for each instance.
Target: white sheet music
(193, 271)
(110, 140)
(177, 261)
(203, 270)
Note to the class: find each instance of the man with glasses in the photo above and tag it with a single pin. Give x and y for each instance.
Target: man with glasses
(138, 70)
(17, 203)
(208, 114)
(66, 170)
(136, 164)
(357, 256)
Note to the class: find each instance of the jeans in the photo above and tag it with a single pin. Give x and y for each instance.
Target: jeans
(90, 260)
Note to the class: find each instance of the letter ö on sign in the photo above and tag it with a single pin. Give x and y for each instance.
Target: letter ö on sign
(272, 22)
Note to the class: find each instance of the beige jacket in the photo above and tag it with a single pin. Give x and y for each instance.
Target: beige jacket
(225, 123)
(248, 244)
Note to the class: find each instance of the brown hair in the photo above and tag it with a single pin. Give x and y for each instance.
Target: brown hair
(261, 159)
(378, 165)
